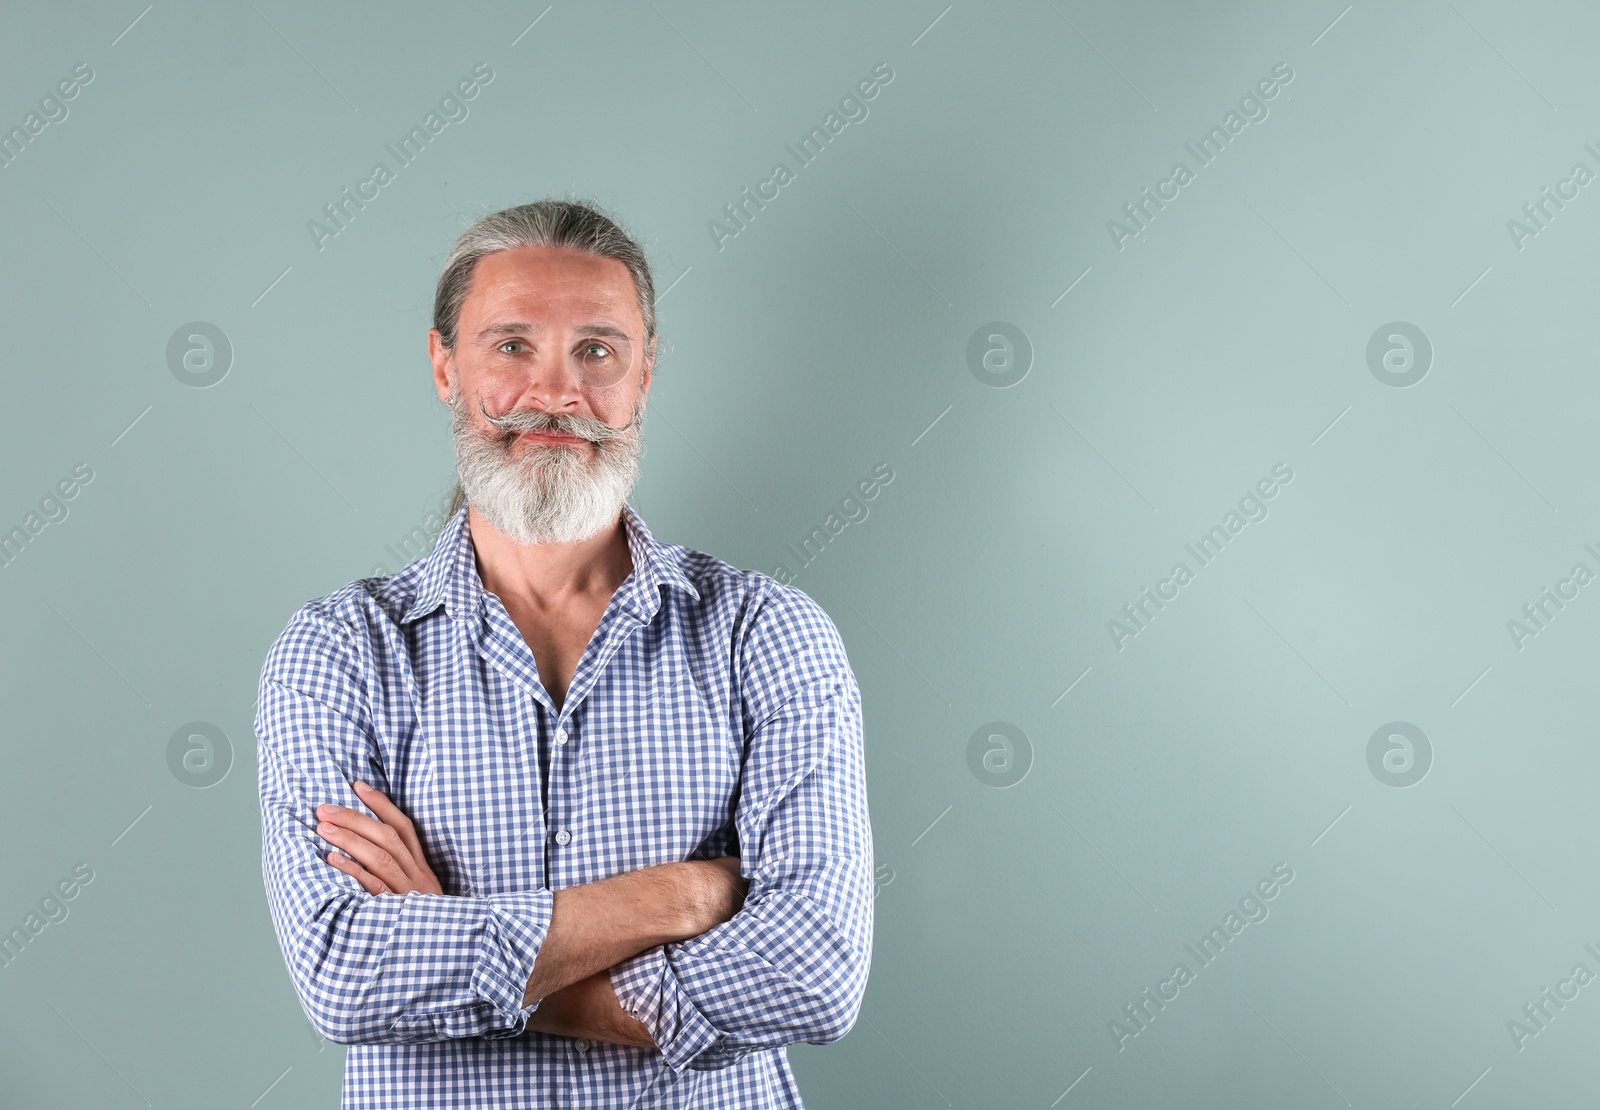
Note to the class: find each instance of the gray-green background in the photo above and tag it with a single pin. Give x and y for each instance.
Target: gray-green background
(829, 336)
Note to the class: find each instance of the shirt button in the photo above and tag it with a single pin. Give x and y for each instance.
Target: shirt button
(561, 736)
(562, 836)
(581, 1045)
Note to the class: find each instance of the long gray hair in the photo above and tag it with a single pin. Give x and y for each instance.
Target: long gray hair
(551, 222)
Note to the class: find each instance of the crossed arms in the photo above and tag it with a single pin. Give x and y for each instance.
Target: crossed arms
(668, 955)
(592, 927)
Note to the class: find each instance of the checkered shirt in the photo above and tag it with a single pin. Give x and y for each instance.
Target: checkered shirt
(713, 713)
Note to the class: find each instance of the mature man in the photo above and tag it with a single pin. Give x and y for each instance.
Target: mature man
(560, 815)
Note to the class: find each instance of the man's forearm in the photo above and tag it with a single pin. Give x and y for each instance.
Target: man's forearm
(599, 924)
(589, 1009)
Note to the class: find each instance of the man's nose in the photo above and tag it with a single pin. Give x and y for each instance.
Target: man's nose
(552, 383)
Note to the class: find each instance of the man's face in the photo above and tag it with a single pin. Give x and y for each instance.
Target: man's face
(549, 378)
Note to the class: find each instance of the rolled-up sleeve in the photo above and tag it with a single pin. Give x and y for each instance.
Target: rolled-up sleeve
(370, 969)
(791, 966)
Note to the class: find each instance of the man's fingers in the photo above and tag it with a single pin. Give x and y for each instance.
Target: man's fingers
(369, 882)
(376, 858)
(386, 810)
(368, 828)
(391, 815)
(392, 855)
(378, 833)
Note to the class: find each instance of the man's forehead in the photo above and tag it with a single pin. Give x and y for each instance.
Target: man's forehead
(506, 281)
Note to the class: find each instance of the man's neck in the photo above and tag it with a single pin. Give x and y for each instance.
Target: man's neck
(546, 576)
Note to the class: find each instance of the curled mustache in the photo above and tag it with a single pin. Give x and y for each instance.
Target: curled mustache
(536, 420)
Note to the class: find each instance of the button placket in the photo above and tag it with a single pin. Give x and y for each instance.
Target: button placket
(562, 836)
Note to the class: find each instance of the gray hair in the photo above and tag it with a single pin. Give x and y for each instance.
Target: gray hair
(551, 222)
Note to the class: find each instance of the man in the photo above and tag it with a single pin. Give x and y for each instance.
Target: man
(560, 815)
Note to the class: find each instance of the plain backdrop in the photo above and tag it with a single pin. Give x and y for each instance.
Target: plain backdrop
(1066, 798)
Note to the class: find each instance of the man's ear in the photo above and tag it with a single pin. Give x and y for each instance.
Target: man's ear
(649, 364)
(443, 364)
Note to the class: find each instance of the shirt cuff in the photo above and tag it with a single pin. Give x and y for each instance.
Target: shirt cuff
(647, 991)
(518, 923)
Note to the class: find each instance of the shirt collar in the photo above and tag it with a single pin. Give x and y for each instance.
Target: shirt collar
(450, 573)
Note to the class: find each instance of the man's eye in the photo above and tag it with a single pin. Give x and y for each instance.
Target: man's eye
(510, 343)
(601, 347)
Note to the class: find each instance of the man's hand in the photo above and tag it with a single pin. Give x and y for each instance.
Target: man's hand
(589, 1008)
(383, 855)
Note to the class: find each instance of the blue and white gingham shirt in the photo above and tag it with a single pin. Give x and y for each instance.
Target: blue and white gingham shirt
(713, 713)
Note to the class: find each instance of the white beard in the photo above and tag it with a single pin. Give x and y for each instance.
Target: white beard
(548, 493)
